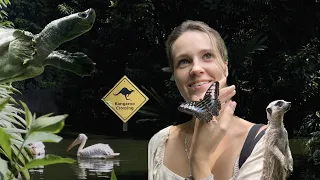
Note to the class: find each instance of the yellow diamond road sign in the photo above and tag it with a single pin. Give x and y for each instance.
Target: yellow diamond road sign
(125, 99)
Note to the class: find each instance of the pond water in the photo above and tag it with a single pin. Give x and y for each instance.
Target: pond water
(132, 162)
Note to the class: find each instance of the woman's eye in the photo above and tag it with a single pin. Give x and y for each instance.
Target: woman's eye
(182, 62)
(207, 56)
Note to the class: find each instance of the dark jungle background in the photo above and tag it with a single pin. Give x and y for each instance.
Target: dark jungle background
(273, 54)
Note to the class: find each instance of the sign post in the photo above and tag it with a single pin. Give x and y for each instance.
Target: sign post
(125, 99)
(125, 127)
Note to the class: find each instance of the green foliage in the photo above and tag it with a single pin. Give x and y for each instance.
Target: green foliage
(32, 20)
(17, 131)
(114, 3)
(4, 3)
(304, 67)
(65, 9)
(258, 34)
(113, 175)
(270, 57)
(161, 110)
(153, 113)
(268, 52)
(4, 15)
(5, 143)
(241, 55)
(47, 160)
(311, 129)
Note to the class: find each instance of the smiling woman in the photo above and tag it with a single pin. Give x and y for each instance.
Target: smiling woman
(192, 55)
(219, 149)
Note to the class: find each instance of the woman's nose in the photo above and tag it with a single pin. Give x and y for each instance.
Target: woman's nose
(196, 69)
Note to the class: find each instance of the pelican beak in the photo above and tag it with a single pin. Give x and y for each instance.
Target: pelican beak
(74, 143)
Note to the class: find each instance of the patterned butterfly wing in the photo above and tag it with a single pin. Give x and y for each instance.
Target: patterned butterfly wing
(192, 108)
(211, 99)
(206, 108)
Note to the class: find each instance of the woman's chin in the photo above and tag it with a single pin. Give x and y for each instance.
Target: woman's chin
(196, 97)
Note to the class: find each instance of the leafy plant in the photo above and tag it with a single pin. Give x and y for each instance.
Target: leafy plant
(4, 3)
(162, 109)
(113, 175)
(153, 113)
(4, 15)
(64, 8)
(313, 144)
(311, 128)
(18, 128)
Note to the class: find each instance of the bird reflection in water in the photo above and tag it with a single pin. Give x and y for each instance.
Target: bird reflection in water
(85, 168)
(39, 170)
(94, 167)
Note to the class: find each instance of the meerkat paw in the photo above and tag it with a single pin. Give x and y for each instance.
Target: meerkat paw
(278, 154)
(290, 168)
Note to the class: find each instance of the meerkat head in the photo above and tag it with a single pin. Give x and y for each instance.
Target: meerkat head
(276, 109)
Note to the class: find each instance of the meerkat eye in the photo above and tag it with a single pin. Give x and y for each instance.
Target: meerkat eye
(279, 103)
(269, 110)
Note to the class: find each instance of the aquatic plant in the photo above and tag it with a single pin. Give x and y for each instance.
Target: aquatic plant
(18, 128)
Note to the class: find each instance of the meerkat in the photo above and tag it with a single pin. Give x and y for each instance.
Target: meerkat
(278, 162)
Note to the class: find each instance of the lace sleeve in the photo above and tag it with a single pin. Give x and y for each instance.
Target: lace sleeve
(156, 148)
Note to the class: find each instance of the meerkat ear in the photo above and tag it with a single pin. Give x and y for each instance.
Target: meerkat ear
(269, 110)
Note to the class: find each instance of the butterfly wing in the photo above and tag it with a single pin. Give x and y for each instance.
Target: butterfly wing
(191, 108)
(211, 99)
(210, 103)
(206, 108)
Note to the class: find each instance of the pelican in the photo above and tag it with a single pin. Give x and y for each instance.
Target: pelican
(37, 148)
(94, 151)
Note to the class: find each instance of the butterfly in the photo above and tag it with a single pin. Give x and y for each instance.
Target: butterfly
(205, 108)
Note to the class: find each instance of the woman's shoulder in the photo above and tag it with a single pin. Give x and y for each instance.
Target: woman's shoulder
(251, 161)
(159, 137)
(246, 125)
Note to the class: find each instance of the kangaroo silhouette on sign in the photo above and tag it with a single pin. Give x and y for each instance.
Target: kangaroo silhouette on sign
(125, 92)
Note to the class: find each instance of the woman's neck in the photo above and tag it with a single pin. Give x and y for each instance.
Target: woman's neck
(187, 127)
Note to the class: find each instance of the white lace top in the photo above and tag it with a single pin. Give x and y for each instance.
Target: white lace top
(250, 170)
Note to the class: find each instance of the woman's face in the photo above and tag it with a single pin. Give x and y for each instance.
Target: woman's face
(196, 65)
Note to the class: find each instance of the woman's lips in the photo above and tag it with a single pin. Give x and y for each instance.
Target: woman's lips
(200, 87)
